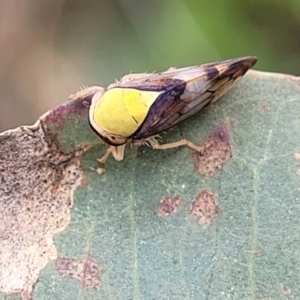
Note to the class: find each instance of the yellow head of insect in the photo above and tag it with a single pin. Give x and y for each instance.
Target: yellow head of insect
(118, 113)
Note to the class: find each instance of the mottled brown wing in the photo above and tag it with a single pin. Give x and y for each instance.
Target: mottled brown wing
(186, 91)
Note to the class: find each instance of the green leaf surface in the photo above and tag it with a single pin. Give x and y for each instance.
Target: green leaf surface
(251, 250)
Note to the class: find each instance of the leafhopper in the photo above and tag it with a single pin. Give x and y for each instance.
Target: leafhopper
(140, 106)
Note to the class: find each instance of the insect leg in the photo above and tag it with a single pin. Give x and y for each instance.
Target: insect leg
(116, 151)
(155, 145)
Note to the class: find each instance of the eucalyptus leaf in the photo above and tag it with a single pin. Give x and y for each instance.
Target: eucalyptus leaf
(128, 239)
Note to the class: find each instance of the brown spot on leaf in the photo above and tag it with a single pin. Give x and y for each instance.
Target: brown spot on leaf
(204, 208)
(266, 107)
(168, 206)
(36, 195)
(217, 151)
(88, 271)
(257, 251)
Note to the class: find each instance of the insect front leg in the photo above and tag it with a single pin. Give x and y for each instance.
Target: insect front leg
(155, 145)
(116, 151)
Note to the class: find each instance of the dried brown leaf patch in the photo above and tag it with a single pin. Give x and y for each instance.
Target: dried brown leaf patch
(88, 271)
(168, 206)
(37, 184)
(204, 208)
(217, 151)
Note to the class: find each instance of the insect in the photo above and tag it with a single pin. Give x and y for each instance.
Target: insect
(140, 106)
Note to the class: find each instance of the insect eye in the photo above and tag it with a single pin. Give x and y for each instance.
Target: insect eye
(114, 140)
(117, 139)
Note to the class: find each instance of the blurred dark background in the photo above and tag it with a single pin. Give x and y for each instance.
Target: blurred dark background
(51, 48)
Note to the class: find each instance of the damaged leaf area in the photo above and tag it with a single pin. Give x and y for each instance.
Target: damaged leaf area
(88, 272)
(38, 180)
(217, 151)
(204, 208)
(169, 206)
(36, 197)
